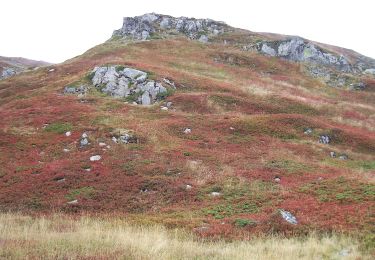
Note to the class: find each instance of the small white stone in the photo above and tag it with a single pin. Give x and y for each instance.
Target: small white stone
(108, 146)
(68, 133)
(164, 108)
(66, 150)
(84, 135)
(95, 158)
(215, 194)
(51, 70)
(73, 202)
(102, 144)
(88, 169)
(187, 131)
(188, 187)
(114, 139)
(231, 128)
(277, 179)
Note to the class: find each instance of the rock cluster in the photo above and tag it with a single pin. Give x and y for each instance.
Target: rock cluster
(127, 83)
(146, 26)
(8, 72)
(298, 49)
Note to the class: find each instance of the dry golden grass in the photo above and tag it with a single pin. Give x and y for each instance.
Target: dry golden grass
(64, 237)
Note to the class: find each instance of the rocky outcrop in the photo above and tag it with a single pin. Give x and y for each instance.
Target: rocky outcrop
(128, 83)
(151, 25)
(8, 72)
(298, 49)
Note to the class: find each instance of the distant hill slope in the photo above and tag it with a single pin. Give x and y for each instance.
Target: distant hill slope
(193, 123)
(10, 66)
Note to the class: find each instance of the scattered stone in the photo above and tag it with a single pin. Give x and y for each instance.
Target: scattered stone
(84, 142)
(344, 252)
(287, 216)
(357, 86)
(332, 154)
(187, 131)
(51, 70)
(144, 190)
(164, 108)
(66, 150)
(308, 131)
(215, 194)
(320, 178)
(188, 187)
(84, 135)
(324, 139)
(68, 133)
(95, 158)
(277, 179)
(123, 136)
(343, 157)
(73, 202)
(231, 128)
(81, 90)
(88, 169)
(169, 82)
(169, 104)
(59, 179)
(103, 144)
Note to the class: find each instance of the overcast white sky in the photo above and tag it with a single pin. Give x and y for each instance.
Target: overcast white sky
(54, 30)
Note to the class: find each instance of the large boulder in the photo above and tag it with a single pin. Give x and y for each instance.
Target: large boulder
(129, 83)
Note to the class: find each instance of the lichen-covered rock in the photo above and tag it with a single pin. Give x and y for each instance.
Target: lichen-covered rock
(130, 83)
(145, 26)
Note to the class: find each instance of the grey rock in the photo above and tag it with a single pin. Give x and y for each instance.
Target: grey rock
(324, 139)
(95, 158)
(84, 142)
(133, 74)
(308, 131)
(343, 157)
(73, 202)
(215, 194)
(288, 217)
(357, 86)
(370, 71)
(203, 38)
(146, 99)
(332, 154)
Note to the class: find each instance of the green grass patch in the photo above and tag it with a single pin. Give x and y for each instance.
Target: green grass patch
(288, 166)
(244, 222)
(59, 128)
(227, 210)
(341, 190)
(84, 192)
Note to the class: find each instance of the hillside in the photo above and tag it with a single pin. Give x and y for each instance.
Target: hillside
(10, 66)
(195, 124)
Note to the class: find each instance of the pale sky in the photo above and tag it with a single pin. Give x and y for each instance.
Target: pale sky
(54, 30)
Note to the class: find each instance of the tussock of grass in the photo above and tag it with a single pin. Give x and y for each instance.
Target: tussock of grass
(63, 237)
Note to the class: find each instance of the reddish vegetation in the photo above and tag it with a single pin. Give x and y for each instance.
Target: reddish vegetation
(248, 114)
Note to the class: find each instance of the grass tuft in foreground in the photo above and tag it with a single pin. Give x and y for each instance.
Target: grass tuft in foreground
(64, 237)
